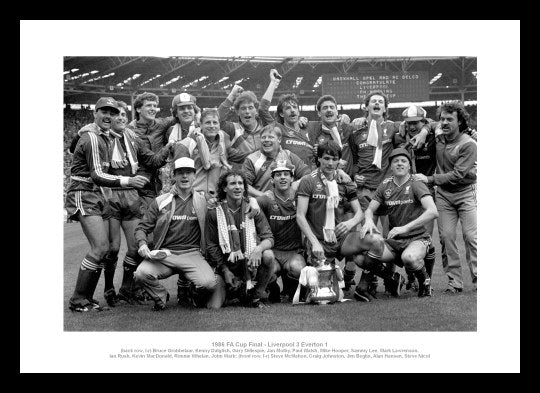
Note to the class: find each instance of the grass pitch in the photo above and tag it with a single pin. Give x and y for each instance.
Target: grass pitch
(441, 312)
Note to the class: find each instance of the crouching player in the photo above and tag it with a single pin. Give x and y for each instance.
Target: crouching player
(410, 207)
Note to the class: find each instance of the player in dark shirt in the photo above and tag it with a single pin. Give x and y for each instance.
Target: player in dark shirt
(279, 207)
(410, 206)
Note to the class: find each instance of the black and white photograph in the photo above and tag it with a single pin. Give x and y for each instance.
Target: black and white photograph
(228, 208)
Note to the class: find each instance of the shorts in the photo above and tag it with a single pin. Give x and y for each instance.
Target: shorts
(123, 204)
(365, 195)
(282, 257)
(397, 246)
(332, 251)
(87, 203)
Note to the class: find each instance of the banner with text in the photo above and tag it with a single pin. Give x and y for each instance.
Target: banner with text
(398, 86)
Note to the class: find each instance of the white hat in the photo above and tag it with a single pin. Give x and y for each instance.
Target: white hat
(414, 113)
(184, 162)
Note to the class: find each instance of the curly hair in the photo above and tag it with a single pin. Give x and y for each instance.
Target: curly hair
(222, 184)
(139, 101)
(285, 99)
(246, 96)
(377, 93)
(458, 107)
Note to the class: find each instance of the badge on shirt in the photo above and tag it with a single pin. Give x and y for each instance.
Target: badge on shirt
(388, 192)
(275, 207)
(319, 187)
(407, 189)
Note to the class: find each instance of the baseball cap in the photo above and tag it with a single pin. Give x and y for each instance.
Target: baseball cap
(399, 152)
(414, 113)
(183, 99)
(107, 102)
(184, 162)
(279, 166)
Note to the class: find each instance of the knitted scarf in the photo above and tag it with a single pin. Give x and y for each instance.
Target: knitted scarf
(176, 133)
(332, 202)
(119, 156)
(374, 138)
(335, 134)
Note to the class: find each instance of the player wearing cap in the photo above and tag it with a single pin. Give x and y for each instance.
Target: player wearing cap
(319, 210)
(455, 179)
(245, 133)
(85, 202)
(152, 132)
(123, 207)
(423, 161)
(232, 245)
(185, 110)
(257, 166)
(410, 206)
(279, 207)
(177, 220)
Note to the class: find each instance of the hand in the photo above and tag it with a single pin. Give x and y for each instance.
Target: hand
(402, 129)
(236, 90)
(419, 140)
(302, 121)
(228, 277)
(137, 181)
(274, 76)
(359, 180)
(344, 118)
(255, 257)
(197, 132)
(359, 122)
(144, 251)
(343, 228)
(342, 177)
(368, 228)
(421, 177)
(438, 129)
(318, 251)
(254, 208)
(474, 134)
(396, 231)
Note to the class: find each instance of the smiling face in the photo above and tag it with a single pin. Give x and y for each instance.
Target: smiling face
(103, 117)
(119, 121)
(400, 166)
(270, 141)
(184, 178)
(234, 190)
(290, 113)
(282, 180)
(247, 113)
(148, 110)
(414, 127)
(328, 112)
(210, 126)
(376, 106)
(186, 114)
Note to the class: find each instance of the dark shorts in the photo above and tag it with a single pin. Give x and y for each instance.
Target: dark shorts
(123, 204)
(364, 197)
(87, 203)
(283, 257)
(397, 246)
(332, 251)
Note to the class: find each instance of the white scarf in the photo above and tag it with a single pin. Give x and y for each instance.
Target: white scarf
(118, 159)
(176, 133)
(375, 139)
(332, 202)
(335, 134)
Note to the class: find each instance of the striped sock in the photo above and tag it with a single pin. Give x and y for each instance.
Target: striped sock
(90, 263)
(429, 260)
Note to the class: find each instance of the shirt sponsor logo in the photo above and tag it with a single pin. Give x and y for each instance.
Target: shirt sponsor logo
(283, 218)
(183, 218)
(362, 145)
(404, 202)
(293, 142)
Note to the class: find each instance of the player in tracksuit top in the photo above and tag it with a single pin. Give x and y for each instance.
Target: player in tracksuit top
(124, 205)
(455, 179)
(152, 132)
(279, 207)
(245, 133)
(85, 201)
(410, 206)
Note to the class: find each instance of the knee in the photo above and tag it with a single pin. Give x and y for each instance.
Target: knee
(141, 274)
(100, 250)
(296, 264)
(360, 261)
(267, 258)
(209, 282)
(412, 260)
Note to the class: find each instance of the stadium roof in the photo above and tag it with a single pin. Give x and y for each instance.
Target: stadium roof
(210, 78)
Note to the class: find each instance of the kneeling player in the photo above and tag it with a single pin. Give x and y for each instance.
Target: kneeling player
(410, 206)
